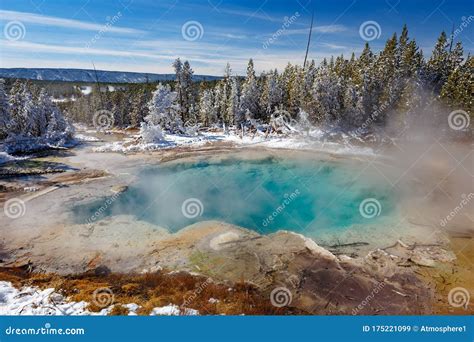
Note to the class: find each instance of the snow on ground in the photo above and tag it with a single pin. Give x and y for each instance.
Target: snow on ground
(85, 90)
(83, 137)
(173, 310)
(170, 141)
(33, 301)
(62, 100)
(5, 157)
(312, 141)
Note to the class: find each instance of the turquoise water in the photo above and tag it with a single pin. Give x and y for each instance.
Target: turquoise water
(264, 195)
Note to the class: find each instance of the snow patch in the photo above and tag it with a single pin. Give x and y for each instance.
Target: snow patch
(173, 310)
(5, 157)
(34, 301)
(83, 137)
(313, 142)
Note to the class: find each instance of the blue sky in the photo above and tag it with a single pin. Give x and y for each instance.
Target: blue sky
(147, 35)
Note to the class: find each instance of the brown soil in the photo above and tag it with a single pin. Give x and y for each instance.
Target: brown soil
(77, 177)
(449, 276)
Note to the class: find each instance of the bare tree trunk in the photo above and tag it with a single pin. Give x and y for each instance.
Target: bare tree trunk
(309, 41)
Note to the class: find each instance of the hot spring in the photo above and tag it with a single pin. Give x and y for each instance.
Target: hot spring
(311, 197)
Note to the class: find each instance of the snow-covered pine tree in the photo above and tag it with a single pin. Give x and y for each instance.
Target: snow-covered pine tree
(272, 93)
(224, 88)
(58, 129)
(207, 110)
(386, 74)
(275, 91)
(29, 115)
(285, 82)
(250, 93)
(295, 90)
(327, 92)
(178, 71)
(455, 57)
(353, 107)
(458, 89)
(189, 93)
(438, 64)
(410, 65)
(139, 108)
(307, 103)
(16, 103)
(233, 106)
(117, 100)
(43, 109)
(364, 65)
(150, 133)
(163, 111)
(96, 101)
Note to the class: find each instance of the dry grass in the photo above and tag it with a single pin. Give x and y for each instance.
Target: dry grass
(154, 290)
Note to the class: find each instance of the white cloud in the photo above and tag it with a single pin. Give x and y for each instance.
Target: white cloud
(334, 46)
(61, 22)
(258, 14)
(48, 48)
(318, 29)
(230, 35)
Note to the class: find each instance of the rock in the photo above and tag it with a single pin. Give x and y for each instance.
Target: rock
(221, 240)
(422, 261)
(117, 189)
(102, 271)
(152, 269)
(313, 247)
(56, 297)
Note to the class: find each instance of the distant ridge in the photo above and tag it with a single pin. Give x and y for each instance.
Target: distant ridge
(88, 75)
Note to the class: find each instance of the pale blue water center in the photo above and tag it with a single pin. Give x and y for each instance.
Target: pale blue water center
(265, 195)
